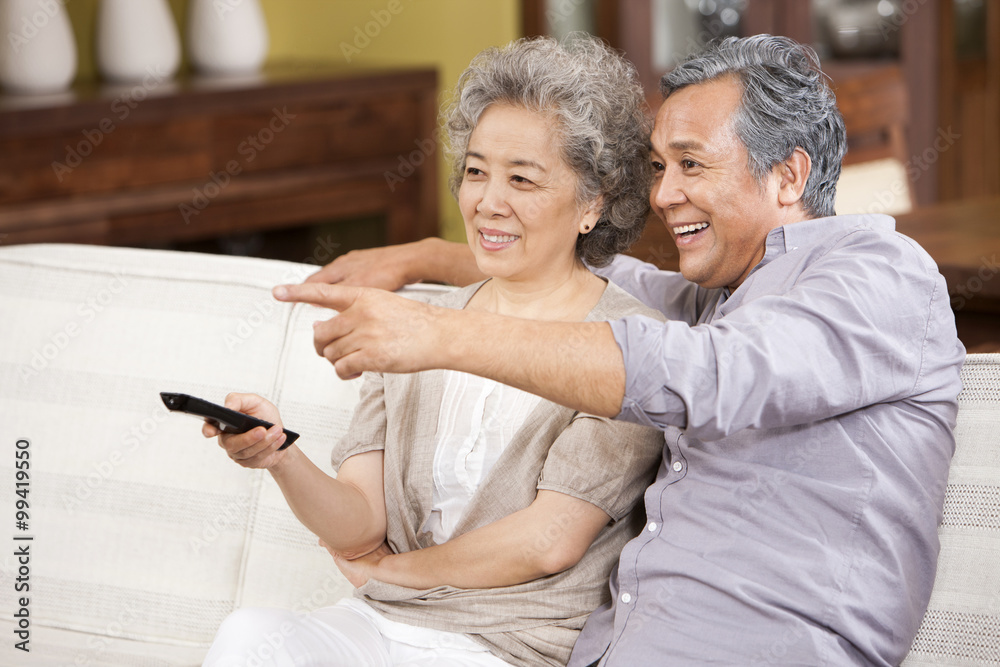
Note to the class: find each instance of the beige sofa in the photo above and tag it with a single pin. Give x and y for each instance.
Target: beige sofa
(144, 535)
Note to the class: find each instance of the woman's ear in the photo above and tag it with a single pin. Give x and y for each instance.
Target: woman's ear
(793, 174)
(591, 215)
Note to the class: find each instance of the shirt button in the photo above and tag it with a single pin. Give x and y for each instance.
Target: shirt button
(678, 466)
(626, 598)
(652, 526)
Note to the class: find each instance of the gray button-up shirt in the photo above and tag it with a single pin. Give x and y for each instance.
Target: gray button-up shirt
(808, 422)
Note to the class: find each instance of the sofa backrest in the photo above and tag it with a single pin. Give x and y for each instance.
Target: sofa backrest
(962, 623)
(132, 510)
(143, 529)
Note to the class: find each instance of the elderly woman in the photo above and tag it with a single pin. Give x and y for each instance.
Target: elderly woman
(480, 523)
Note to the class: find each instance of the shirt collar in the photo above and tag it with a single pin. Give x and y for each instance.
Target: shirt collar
(812, 232)
(805, 233)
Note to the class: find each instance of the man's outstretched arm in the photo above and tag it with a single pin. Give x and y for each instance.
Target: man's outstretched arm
(392, 267)
(576, 364)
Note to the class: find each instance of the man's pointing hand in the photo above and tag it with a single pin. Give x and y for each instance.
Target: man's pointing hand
(375, 330)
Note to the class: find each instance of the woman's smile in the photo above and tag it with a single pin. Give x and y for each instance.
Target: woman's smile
(492, 240)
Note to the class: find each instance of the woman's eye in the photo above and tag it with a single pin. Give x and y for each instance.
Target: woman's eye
(520, 179)
(688, 164)
(472, 171)
(658, 166)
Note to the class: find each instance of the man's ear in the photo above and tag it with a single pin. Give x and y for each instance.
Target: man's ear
(792, 176)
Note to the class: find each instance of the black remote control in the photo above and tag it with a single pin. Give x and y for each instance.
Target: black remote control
(229, 421)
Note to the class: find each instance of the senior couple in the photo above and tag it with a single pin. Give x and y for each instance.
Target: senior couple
(788, 398)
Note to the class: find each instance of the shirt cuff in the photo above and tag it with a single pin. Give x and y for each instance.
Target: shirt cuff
(648, 399)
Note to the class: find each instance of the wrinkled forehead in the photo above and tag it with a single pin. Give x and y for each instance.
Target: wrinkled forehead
(529, 135)
(699, 116)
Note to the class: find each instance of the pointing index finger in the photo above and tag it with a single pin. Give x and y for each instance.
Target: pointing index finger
(336, 297)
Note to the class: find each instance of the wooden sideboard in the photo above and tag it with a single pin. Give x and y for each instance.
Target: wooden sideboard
(196, 158)
(963, 237)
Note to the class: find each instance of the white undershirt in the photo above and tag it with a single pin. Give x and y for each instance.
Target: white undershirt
(478, 418)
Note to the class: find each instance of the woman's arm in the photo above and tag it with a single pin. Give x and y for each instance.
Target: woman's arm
(347, 512)
(549, 536)
(606, 464)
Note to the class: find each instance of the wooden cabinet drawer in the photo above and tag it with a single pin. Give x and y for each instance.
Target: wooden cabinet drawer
(88, 160)
(200, 158)
(290, 136)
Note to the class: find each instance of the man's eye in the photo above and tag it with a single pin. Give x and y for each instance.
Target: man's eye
(688, 164)
(658, 166)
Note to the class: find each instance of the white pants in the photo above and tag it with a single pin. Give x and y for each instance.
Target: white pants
(348, 634)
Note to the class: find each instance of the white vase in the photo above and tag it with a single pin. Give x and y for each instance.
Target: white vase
(37, 47)
(137, 39)
(226, 36)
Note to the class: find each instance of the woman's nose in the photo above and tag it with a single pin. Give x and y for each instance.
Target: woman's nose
(494, 201)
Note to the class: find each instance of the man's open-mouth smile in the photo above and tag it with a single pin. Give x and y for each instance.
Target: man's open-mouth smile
(687, 233)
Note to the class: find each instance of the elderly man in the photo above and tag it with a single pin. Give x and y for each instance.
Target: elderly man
(805, 381)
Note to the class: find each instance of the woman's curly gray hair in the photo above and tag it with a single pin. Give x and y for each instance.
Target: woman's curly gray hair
(786, 103)
(595, 97)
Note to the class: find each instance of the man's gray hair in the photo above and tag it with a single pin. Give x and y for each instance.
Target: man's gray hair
(786, 103)
(595, 98)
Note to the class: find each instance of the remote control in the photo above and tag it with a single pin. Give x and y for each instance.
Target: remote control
(228, 421)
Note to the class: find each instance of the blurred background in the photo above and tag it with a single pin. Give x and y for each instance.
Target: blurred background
(300, 129)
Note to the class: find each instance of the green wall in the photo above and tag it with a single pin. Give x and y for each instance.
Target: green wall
(442, 33)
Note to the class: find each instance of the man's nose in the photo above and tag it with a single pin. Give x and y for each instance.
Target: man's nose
(666, 192)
